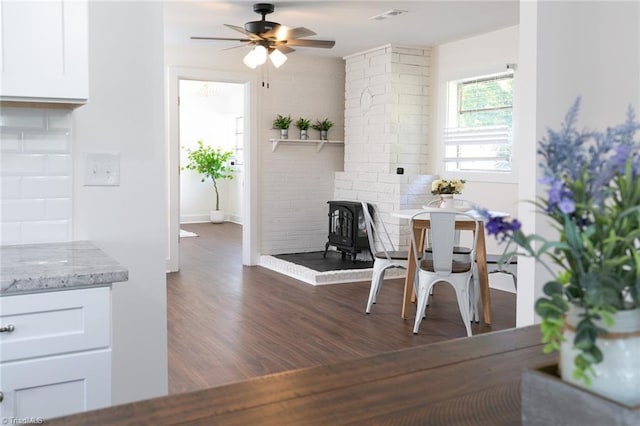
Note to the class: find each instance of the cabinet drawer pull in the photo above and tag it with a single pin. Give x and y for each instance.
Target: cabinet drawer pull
(7, 328)
(1, 396)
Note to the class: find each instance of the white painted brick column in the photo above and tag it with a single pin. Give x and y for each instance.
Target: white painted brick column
(386, 117)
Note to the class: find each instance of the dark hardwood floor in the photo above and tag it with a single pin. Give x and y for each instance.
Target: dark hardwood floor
(228, 322)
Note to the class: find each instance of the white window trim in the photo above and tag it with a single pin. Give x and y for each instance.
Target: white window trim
(475, 176)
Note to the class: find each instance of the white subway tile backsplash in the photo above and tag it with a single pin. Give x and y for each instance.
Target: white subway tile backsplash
(22, 165)
(58, 208)
(46, 187)
(10, 142)
(59, 165)
(45, 231)
(23, 117)
(10, 188)
(39, 143)
(10, 233)
(21, 210)
(58, 119)
(36, 168)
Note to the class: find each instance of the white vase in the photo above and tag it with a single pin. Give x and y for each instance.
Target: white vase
(446, 201)
(216, 216)
(618, 375)
(284, 133)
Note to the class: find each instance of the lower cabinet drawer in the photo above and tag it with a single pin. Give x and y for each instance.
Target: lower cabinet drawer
(57, 322)
(55, 386)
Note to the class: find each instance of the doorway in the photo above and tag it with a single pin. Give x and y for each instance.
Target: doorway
(211, 112)
(245, 130)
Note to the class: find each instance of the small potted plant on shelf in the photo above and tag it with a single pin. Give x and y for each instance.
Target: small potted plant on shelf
(590, 309)
(323, 126)
(211, 163)
(303, 124)
(281, 122)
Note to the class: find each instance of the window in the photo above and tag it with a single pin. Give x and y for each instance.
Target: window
(478, 133)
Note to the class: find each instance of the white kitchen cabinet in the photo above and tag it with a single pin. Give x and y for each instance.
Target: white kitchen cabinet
(45, 51)
(57, 358)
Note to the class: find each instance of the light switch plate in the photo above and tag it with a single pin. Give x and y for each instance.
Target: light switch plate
(101, 169)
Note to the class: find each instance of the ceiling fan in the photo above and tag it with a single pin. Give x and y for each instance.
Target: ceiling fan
(270, 38)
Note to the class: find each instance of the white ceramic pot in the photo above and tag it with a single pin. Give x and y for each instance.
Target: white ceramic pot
(303, 134)
(618, 375)
(284, 133)
(216, 216)
(447, 201)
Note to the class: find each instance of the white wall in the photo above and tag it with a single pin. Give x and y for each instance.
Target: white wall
(475, 56)
(569, 49)
(125, 114)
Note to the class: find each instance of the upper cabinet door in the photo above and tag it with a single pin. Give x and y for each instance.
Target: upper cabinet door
(44, 51)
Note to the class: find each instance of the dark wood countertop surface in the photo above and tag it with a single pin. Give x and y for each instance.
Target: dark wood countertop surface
(466, 381)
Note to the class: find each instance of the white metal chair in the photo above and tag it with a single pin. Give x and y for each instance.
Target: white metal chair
(384, 252)
(505, 263)
(445, 266)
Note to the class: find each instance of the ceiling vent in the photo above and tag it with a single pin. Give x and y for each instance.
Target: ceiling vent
(388, 14)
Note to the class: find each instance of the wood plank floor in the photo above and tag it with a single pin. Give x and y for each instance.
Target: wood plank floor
(228, 322)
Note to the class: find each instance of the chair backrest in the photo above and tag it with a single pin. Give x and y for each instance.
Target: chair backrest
(383, 242)
(443, 236)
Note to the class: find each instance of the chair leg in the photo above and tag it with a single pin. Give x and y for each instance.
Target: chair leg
(376, 284)
(474, 298)
(421, 306)
(462, 294)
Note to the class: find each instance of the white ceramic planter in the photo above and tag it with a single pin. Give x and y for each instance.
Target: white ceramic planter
(447, 201)
(618, 375)
(216, 216)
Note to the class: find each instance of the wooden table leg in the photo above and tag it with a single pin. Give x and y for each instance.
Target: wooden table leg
(409, 294)
(481, 254)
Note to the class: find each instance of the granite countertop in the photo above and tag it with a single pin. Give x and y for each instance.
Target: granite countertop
(32, 268)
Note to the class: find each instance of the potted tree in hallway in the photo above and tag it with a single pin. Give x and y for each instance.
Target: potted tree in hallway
(211, 163)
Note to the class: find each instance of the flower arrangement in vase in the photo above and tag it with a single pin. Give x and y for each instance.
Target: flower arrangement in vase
(593, 202)
(447, 187)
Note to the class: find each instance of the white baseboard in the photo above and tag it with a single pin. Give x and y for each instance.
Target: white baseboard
(204, 218)
(195, 218)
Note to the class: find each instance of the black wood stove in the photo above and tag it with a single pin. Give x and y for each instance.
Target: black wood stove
(347, 229)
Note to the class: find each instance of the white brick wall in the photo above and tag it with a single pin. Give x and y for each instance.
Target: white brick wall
(35, 169)
(296, 181)
(389, 133)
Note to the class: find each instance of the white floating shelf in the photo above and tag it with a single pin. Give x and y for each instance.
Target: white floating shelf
(319, 144)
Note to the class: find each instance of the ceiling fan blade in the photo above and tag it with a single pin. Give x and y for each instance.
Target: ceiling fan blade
(244, 40)
(243, 31)
(298, 32)
(285, 49)
(237, 47)
(327, 44)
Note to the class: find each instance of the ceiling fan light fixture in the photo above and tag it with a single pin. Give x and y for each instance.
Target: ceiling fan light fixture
(277, 58)
(248, 60)
(257, 56)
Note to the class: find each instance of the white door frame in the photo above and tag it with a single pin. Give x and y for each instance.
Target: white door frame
(250, 234)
